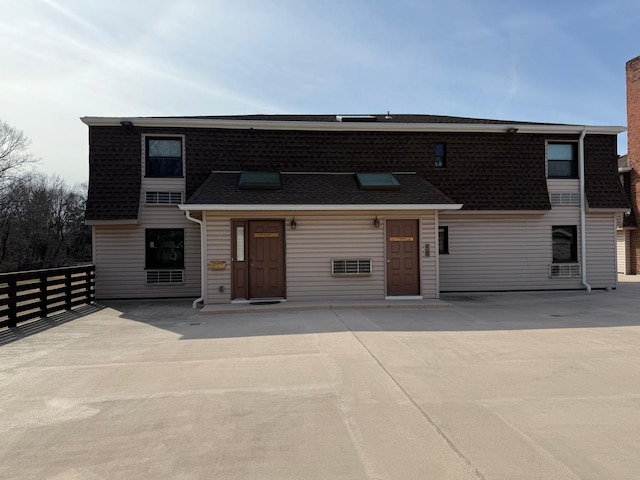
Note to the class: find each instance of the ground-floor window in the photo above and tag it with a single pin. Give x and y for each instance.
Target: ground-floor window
(565, 243)
(443, 240)
(164, 248)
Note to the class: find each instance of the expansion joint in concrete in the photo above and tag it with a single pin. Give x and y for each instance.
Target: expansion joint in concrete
(472, 468)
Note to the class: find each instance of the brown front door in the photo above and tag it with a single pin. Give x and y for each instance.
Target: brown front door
(403, 259)
(266, 259)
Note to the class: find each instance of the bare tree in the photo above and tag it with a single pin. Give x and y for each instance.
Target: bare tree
(41, 217)
(12, 199)
(41, 224)
(14, 153)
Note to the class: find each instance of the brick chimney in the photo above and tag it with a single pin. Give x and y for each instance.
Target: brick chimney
(633, 150)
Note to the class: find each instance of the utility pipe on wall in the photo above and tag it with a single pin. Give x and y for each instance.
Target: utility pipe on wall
(583, 214)
(203, 263)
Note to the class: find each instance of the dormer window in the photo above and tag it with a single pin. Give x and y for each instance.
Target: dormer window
(562, 160)
(163, 157)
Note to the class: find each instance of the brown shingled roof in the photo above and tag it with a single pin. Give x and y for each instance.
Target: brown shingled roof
(485, 171)
(602, 186)
(221, 188)
(114, 174)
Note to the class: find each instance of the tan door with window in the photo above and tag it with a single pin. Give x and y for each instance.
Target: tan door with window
(403, 259)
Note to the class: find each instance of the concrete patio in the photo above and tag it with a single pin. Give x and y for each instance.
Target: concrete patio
(542, 385)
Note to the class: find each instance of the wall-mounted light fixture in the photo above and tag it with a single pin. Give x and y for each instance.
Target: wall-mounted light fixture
(376, 222)
(293, 223)
(511, 131)
(127, 124)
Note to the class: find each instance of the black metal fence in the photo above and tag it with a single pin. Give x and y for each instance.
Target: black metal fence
(39, 293)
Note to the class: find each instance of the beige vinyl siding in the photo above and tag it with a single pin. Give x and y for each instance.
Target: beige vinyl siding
(218, 245)
(503, 252)
(429, 265)
(601, 250)
(563, 185)
(317, 241)
(119, 257)
(319, 238)
(622, 247)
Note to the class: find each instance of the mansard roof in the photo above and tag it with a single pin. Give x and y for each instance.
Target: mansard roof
(489, 167)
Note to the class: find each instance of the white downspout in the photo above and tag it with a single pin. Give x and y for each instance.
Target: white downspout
(583, 214)
(203, 263)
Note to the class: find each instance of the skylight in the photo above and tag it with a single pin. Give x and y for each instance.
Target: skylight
(260, 181)
(377, 181)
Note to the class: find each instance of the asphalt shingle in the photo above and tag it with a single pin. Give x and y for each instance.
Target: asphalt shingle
(221, 188)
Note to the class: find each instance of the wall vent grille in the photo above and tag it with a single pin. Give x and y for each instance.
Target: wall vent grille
(351, 267)
(569, 270)
(163, 198)
(565, 198)
(164, 277)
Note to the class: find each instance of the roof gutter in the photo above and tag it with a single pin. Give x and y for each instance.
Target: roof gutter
(203, 261)
(583, 210)
(186, 122)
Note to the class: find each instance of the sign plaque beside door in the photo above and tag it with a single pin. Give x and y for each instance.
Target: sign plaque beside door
(401, 239)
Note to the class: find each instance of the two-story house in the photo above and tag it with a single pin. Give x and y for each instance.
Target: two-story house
(299, 207)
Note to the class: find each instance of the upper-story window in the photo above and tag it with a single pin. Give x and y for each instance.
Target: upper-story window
(562, 160)
(164, 157)
(440, 155)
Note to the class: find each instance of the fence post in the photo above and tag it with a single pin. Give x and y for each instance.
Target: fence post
(44, 311)
(67, 289)
(13, 303)
(87, 284)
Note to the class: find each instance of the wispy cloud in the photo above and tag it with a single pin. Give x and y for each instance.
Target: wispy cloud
(538, 61)
(73, 16)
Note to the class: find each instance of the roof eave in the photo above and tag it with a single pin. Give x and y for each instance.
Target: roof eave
(120, 221)
(501, 212)
(351, 126)
(608, 210)
(322, 207)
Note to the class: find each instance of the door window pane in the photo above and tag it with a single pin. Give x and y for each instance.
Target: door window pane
(240, 244)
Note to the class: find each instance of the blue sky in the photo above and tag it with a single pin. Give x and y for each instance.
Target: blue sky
(557, 61)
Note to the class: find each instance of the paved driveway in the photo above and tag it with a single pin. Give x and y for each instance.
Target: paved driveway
(505, 386)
